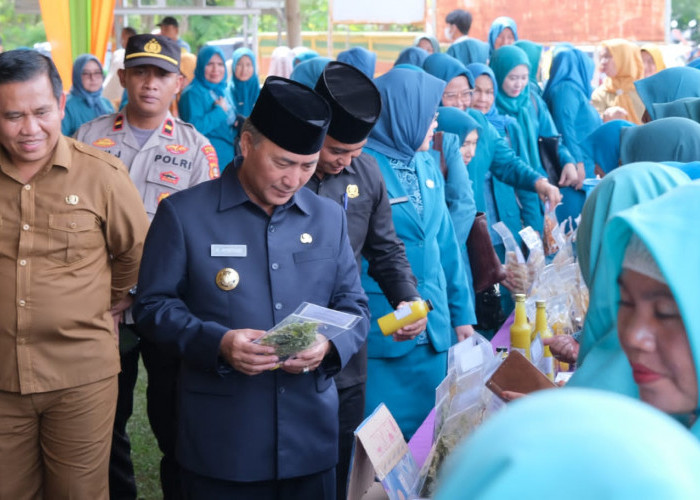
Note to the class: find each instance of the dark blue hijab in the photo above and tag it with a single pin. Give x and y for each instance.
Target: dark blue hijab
(409, 102)
(244, 93)
(361, 58)
(94, 99)
(458, 122)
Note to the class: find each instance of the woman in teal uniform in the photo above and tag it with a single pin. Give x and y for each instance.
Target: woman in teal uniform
(403, 373)
(206, 103)
(85, 101)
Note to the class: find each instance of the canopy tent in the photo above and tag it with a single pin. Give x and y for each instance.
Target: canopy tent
(75, 27)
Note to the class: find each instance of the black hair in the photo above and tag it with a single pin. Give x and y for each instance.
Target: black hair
(22, 65)
(131, 31)
(460, 18)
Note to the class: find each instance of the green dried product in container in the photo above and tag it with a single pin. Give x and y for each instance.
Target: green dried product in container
(292, 338)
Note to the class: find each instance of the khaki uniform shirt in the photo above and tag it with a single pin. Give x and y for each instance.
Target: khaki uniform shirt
(174, 158)
(70, 245)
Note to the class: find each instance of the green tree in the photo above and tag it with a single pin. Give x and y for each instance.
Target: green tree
(685, 11)
(19, 30)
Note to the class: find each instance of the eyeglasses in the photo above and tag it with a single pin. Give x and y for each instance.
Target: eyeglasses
(91, 74)
(465, 94)
(483, 92)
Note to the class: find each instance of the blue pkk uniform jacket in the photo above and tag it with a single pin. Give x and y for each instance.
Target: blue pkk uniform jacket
(78, 111)
(360, 189)
(435, 257)
(233, 426)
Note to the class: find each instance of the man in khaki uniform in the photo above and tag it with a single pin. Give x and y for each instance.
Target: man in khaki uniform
(72, 227)
(164, 155)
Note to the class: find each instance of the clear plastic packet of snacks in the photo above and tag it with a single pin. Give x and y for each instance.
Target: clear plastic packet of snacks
(551, 226)
(516, 267)
(306, 327)
(535, 258)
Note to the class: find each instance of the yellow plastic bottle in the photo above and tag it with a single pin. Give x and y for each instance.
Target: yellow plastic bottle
(542, 329)
(520, 329)
(404, 315)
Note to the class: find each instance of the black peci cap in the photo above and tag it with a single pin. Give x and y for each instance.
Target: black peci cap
(169, 21)
(291, 115)
(354, 100)
(157, 50)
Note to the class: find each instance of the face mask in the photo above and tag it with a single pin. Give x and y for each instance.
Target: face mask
(448, 33)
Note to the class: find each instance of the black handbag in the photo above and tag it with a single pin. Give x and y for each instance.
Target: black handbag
(548, 148)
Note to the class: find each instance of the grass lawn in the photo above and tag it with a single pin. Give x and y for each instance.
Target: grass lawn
(144, 449)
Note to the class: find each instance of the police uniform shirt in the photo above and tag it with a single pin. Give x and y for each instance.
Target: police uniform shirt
(287, 424)
(174, 158)
(360, 189)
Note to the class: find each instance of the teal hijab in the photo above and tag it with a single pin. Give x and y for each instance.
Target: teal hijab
(446, 68)
(502, 62)
(688, 107)
(667, 227)
(455, 121)
(245, 93)
(615, 448)
(668, 85)
(431, 39)
(666, 139)
(361, 58)
(497, 27)
(308, 72)
(621, 189)
(603, 144)
(534, 54)
(412, 55)
(409, 102)
(203, 58)
(470, 51)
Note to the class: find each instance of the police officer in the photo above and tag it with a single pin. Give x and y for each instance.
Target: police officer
(242, 253)
(352, 178)
(164, 155)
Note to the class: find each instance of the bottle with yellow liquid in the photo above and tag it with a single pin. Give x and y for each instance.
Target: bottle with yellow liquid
(520, 330)
(404, 315)
(542, 329)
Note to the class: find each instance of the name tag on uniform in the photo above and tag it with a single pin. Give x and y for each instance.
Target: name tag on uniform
(400, 199)
(229, 251)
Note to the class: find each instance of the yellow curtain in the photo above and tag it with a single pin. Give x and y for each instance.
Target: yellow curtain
(102, 22)
(56, 16)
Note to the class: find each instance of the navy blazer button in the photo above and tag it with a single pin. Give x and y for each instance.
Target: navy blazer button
(281, 390)
(278, 306)
(275, 266)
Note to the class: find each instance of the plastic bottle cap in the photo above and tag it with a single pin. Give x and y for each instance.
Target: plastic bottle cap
(540, 303)
(429, 304)
(520, 296)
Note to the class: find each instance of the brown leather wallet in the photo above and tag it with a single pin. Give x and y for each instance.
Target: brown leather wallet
(518, 374)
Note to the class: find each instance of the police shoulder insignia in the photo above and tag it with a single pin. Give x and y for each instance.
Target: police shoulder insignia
(118, 122)
(168, 127)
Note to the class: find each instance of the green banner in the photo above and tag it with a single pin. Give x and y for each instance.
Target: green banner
(80, 26)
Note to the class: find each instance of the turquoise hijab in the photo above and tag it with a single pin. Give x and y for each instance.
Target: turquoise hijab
(244, 93)
(688, 107)
(433, 42)
(666, 139)
(497, 119)
(446, 68)
(502, 62)
(667, 228)
(603, 144)
(412, 55)
(615, 448)
(574, 67)
(668, 85)
(621, 189)
(534, 54)
(305, 55)
(203, 58)
(497, 27)
(361, 58)
(409, 102)
(458, 122)
(469, 51)
(308, 72)
(93, 99)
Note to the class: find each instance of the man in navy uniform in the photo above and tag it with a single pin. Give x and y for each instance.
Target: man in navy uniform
(352, 178)
(225, 261)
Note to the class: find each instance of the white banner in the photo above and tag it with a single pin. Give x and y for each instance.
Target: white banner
(378, 11)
